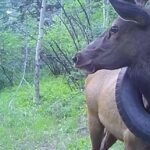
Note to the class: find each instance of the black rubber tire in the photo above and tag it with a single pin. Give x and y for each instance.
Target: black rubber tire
(130, 107)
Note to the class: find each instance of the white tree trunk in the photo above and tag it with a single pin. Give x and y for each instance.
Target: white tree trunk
(105, 13)
(37, 55)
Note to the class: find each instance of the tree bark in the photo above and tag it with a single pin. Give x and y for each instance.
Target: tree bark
(37, 55)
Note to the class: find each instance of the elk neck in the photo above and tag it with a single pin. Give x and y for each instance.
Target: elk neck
(139, 73)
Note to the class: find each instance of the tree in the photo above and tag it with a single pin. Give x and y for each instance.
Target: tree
(37, 55)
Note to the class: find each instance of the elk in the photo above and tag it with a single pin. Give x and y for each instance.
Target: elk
(103, 113)
(125, 44)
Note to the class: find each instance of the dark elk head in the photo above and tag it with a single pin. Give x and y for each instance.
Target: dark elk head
(126, 41)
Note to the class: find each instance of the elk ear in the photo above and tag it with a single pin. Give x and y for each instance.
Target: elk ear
(130, 12)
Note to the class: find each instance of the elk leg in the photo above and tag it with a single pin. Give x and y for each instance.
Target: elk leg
(129, 141)
(96, 130)
(134, 143)
(107, 141)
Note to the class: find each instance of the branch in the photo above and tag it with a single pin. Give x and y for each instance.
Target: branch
(87, 17)
(22, 79)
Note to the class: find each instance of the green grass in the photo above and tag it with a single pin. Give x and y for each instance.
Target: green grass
(59, 123)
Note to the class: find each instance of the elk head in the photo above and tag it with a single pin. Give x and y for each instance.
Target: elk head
(120, 45)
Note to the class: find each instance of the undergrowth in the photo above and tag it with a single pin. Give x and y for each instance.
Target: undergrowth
(58, 123)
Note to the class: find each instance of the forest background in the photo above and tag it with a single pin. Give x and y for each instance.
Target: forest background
(56, 120)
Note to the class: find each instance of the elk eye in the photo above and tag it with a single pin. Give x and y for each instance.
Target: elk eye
(114, 29)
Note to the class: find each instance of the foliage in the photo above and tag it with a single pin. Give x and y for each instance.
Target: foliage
(26, 126)
(69, 26)
(58, 123)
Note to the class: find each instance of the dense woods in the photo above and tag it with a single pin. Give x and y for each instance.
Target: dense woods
(62, 28)
(68, 26)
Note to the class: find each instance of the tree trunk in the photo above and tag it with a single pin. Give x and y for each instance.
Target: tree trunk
(105, 13)
(37, 55)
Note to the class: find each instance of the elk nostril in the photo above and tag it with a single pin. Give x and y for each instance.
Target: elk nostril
(75, 59)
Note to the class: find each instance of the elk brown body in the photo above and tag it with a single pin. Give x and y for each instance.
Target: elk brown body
(103, 113)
